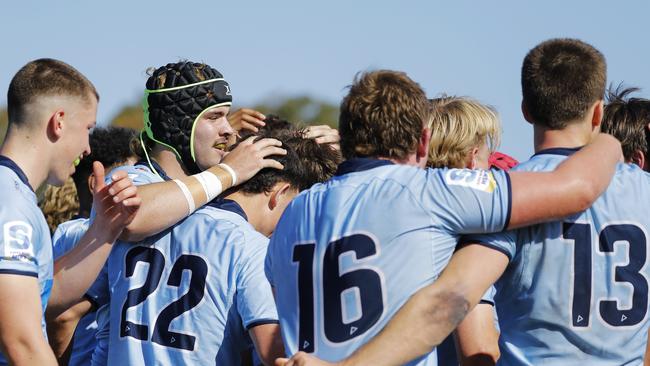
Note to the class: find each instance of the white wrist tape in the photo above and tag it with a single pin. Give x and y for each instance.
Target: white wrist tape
(210, 183)
(188, 196)
(231, 171)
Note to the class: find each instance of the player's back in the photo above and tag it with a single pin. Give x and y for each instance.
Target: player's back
(576, 291)
(348, 253)
(176, 297)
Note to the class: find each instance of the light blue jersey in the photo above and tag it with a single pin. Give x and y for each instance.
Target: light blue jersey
(65, 239)
(348, 253)
(25, 243)
(140, 173)
(188, 295)
(576, 291)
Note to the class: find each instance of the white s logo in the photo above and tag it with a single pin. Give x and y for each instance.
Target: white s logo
(18, 239)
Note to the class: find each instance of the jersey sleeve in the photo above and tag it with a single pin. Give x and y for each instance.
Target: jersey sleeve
(505, 242)
(468, 201)
(99, 292)
(20, 240)
(67, 236)
(488, 296)
(268, 265)
(138, 174)
(255, 302)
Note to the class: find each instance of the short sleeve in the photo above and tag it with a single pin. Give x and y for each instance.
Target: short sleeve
(67, 236)
(255, 302)
(268, 269)
(20, 241)
(488, 296)
(505, 242)
(99, 292)
(468, 201)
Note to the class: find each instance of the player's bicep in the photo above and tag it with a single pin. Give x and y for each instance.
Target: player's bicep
(268, 342)
(20, 310)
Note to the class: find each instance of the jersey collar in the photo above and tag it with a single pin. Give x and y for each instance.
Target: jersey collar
(360, 164)
(5, 161)
(566, 151)
(228, 205)
(155, 167)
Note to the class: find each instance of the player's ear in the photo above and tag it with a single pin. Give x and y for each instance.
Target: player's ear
(638, 158)
(55, 125)
(597, 115)
(524, 111)
(91, 182)
(422, 152)
(278, 193)
(471, 162)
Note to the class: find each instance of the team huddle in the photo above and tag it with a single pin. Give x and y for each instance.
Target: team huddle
(402, 238)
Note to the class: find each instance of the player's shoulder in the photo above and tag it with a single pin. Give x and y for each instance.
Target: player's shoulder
(67, 233)
(139, 174)
(13, 191)
(225, 223)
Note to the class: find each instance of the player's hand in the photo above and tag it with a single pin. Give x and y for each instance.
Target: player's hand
(246, 119)
(115, 204)
(248, 157)
(302, 359)
(324, 134)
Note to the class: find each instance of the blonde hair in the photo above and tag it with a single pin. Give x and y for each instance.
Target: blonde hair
(460, 124)
(59, 204)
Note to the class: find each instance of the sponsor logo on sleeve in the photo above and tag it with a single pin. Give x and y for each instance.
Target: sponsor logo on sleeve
(481, 180)
(17, 237)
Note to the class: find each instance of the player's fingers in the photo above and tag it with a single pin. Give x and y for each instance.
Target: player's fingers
(132, 202)
(249, 126)
(254, 113)
(270, 163)
(254, 119)
(119, 184)
(281, 361)
(273, 150)
(315, 131)
(262, 143)
(327, 139)
(129, 192)
(98, 173)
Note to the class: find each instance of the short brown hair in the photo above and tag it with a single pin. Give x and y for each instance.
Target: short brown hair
(458, 125)
(44, 77)
(382, 116)
(560, 80)
(627, 119)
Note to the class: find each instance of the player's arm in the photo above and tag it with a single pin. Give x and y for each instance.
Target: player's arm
(60, 329)
(646, 358)
(430, 315)
(268, 342)
(477, 339)
(21, 336)
(569, 189)
(164, 204)
(74, 272)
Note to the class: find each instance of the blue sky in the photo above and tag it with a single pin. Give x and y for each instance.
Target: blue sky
(266, 49)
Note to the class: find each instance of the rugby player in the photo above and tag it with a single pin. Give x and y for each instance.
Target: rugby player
(51, 109)
(160, 315)
(347, 254)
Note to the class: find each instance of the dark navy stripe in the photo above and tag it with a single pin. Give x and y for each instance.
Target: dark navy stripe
(5, 161)
(155, 167)
(463, 242)
(228, 205)
(93, 302)
(18, 272)
(360, 164)
(505, 226)
(262, 322)
(566, 151)
(486, 302)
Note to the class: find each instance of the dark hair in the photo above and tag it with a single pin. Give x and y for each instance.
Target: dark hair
(109, 146)
(44, 77)
(272, 122)
(382, 116)
(305, 163)
(627, 119)
(560, 80)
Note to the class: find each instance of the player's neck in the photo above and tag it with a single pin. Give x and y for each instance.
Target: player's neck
(28, 153)
(253, 206)
(573, 135)
(168, 162)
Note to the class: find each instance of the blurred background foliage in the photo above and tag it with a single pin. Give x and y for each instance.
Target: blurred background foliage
(301, 109)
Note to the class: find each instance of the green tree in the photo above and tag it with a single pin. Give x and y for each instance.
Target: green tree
(4, 119)
(129, 117)
(302, 109)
